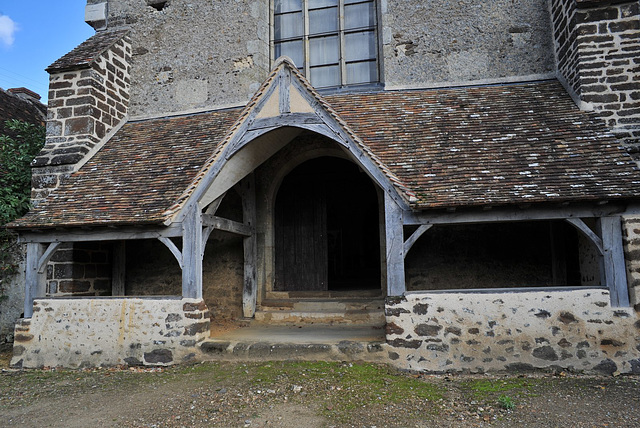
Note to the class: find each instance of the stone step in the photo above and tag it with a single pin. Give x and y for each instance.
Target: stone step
(352, 311)
(259, 342)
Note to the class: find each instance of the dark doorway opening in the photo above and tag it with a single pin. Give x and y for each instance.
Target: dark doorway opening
(326, 228)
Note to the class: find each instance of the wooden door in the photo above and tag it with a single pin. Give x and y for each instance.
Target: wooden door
(301, 236)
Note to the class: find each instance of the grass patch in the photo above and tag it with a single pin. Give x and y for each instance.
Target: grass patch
(486, 388)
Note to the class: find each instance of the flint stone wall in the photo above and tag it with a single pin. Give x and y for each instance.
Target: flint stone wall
(110, 331)
(572, 330)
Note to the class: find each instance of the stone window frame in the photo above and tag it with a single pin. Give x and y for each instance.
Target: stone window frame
(342, 62)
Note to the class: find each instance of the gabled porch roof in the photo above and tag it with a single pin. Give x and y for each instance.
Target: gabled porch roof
(438, 148)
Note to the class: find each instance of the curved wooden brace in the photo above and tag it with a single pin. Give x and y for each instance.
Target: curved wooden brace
(211, 209)
(415, 236)
(44, 259)
(582, 227)
(174, 250)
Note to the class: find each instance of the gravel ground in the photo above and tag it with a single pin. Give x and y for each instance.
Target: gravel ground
(310, 394)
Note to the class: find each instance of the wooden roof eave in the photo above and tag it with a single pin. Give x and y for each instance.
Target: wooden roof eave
(99, 233)
(533, 212)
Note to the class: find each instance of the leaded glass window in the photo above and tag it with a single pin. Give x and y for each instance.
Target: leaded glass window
(333, 42)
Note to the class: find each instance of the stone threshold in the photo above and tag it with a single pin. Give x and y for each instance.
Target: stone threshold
(259, 342)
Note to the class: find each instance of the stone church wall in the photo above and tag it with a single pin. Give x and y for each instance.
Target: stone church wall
(429, 43)
(195, 55)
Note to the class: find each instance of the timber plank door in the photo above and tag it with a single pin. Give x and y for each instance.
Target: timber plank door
(301, 235)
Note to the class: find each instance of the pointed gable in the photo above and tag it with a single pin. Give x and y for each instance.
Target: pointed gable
(287, 103)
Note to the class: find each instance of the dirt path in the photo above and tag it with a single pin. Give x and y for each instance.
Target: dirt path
(304, 394)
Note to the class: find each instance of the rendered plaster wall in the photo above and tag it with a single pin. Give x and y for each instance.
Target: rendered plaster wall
(193, 54)
(97, 332)
(572, 330)
(431, 42)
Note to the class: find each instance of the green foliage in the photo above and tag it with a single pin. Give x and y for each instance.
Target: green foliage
(17, 150)
(16, 154)
(483, 388)
(506, 402)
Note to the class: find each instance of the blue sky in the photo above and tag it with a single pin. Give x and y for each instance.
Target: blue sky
(33, 34)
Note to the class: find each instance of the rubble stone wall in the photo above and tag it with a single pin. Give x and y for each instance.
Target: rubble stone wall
(194, 54)
(426, 43)
(574, 330)
(110, 331)
(597, 53)
(420, 43)
(84, 105)
(631, 237)
(81, 268)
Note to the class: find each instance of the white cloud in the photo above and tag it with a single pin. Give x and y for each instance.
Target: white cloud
(7, 30)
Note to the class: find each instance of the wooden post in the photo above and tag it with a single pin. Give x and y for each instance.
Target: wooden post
(192, 253)
(118, 268)
(249, 294)
(615, 271)
(35, 282)
(394, 243)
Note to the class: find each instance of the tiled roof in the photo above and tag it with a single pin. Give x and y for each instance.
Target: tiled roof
(86, 52)
(476, 146)
(137, 175)
(491, 145)
(15, 107)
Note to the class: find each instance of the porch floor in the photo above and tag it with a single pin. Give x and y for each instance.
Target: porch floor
(257, 341)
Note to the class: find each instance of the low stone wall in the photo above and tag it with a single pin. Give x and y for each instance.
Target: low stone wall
(574, 330)
(110, 331)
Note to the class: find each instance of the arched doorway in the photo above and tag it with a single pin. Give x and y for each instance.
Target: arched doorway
(327, 228)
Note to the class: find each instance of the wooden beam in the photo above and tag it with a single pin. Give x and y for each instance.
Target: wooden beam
(226, 225)
(118, 269)
(284, 86)
(250, 287)
(512, 214)
(586, 230)
(192, 253)
(42, 263)
(211, 209)
(35, 282)
(394, 243)
(174, 250)
(100, 234)
(289, 119)
(614, 265)
(415, 236)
